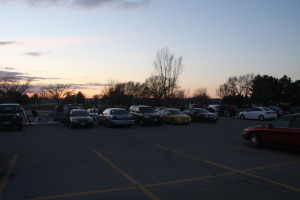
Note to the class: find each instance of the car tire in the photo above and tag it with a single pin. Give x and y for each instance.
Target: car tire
(254, 140)
(261, 118)
(108, 124)
(242, 117)
(172, 121)
(20, 127)
(141, 122)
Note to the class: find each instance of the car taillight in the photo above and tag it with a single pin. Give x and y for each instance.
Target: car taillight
(270, 112)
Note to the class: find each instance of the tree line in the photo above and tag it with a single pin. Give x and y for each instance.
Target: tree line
(249, 89)
(160, 89)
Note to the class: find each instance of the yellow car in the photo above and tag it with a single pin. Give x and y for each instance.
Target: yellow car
(174, 116)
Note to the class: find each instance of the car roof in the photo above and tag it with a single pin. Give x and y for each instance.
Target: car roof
(9, 104)
(78, 110)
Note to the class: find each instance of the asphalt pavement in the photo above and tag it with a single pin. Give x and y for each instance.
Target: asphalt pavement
(197, 161)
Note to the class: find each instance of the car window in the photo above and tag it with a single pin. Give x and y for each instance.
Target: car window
(282, 122)
(175, 112)
(201, 110)
(9, 109)
(79, 113)
(146, 110)
(296, 123)
(118, 112)
(186, 111)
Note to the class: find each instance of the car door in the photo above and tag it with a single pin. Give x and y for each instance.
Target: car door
(167, 116)
(255, 113)
(278, 132)
(293, 137)
(250, 113)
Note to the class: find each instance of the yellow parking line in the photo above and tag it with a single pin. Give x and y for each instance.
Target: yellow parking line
(83, 193)
(271, 166)
(261, 152)
(5, 179)
(234, 170)
(129, 178)
(188, 180)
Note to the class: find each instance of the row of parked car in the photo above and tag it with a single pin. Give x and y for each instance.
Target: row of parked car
(140, 114)
(262, 113)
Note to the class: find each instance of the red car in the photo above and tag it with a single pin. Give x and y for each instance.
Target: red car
(284, 131)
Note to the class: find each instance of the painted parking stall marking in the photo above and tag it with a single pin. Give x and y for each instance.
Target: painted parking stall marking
(5, 179)
(236, 171)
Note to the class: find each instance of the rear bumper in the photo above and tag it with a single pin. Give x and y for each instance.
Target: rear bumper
(122, 122)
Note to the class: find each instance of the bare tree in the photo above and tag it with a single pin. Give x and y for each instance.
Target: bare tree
(236, 86)
(167, 69)
(200, 96)
(57, 91)
(12, 86)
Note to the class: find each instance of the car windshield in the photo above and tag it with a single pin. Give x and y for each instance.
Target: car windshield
(7, 109)
(201, 110)
(267, 109)
(94, 111)
(118, 112)
(146, 110)
(276, 108)
(175, 112)
(79, 113)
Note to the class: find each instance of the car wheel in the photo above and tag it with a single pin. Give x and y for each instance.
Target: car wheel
(107, 124)
(141, 122)
(261, 118)
(172, 121)
(242, 117)
(254, 140)
(20, 127)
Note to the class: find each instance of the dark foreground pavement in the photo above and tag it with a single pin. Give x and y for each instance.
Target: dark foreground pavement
(199, 161)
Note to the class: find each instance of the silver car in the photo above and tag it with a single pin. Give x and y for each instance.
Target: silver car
(79, 118)
(260, 113)
(116, 116)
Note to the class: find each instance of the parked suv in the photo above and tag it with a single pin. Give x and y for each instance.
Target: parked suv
(11, 115)
(145, 115)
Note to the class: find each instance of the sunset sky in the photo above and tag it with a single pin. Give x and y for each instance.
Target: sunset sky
(89, 42)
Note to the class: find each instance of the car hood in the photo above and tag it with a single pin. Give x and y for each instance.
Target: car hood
(80, 117)
(181, 116)
(255, 127)
(151, 114)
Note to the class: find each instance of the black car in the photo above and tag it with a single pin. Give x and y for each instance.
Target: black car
(145, 115)
(11, 115)
(201, 115)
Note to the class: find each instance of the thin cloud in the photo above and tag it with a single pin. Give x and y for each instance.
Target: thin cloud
(27, 76)
(8, 43)
(35, 54)
(83, 4)
(84, 86)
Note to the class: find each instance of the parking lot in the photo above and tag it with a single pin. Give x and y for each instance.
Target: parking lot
(197, 161)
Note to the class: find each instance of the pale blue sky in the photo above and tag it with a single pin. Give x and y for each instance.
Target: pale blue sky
(93, 41)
